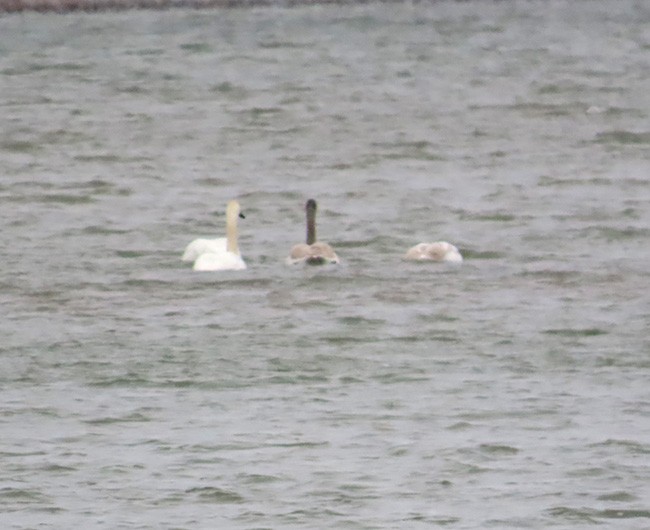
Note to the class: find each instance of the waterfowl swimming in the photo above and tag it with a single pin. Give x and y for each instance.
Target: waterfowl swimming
(201, 246)
(218, 254)
(313, 252)
(438, 251)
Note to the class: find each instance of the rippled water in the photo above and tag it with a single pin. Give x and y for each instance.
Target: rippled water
(511, 391)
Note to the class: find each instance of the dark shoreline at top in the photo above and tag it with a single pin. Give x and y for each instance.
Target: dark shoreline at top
(67, 6)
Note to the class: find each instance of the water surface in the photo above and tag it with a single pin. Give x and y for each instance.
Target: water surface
(508, 392)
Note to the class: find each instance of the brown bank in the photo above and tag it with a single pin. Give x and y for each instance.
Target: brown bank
(64, 6)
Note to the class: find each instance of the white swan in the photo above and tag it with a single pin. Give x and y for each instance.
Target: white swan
(225, 261)
(313, 252)
(438, 251)
(219, 254)
(201, 246)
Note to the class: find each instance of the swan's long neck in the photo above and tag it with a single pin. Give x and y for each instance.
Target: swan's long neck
(311, 224)
(231, 231)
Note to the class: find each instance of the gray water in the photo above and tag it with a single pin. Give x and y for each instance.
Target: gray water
(509, 392)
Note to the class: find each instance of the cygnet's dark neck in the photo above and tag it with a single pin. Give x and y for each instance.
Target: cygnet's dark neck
(310, 207)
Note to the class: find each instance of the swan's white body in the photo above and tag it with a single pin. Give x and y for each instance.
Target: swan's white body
(221, 254)
(313, 252)
(201, 246)
(438, 251)
(223, 261)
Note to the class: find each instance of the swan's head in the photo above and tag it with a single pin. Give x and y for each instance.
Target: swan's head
(453, 255)
(310, 206)
(447, 252)
(233, 210)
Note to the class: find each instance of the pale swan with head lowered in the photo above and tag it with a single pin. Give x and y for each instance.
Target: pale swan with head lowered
(219, 254)
(313, 252)
(438, 251)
